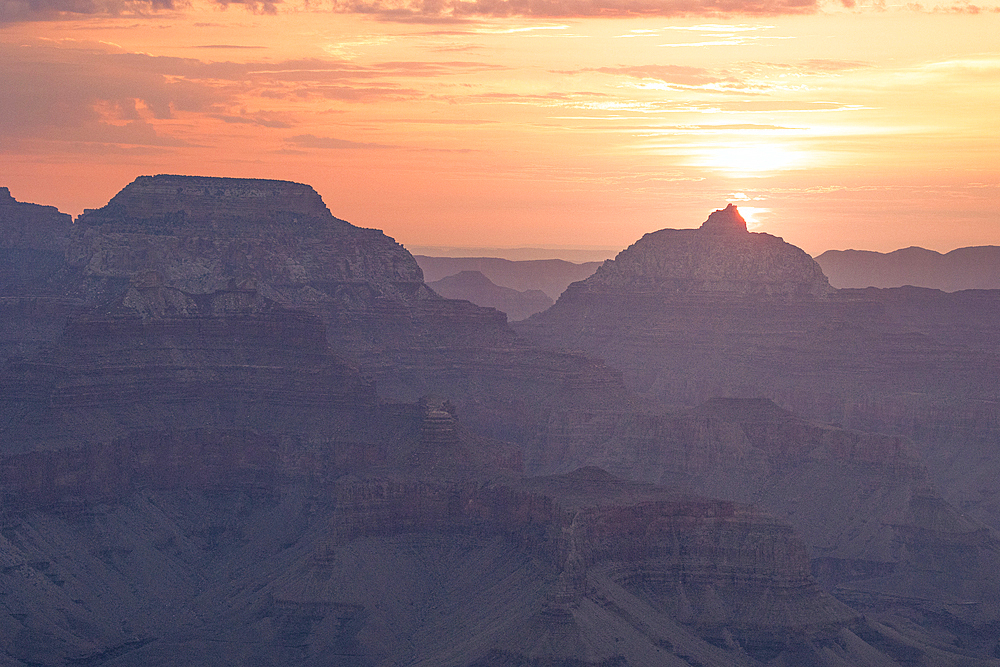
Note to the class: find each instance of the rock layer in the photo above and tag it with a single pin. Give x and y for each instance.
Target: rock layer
(393, 570)
(202, 435)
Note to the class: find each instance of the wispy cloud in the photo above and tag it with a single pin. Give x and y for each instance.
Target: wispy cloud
(403, 9)
(334, 143)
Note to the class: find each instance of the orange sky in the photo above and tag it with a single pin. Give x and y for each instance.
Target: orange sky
(553, 123)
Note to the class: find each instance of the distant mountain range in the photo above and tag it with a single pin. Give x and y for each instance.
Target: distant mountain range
(976, 267)
(475, 287)
(551, 276)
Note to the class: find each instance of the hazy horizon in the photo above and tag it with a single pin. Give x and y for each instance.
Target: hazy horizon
(833, 124)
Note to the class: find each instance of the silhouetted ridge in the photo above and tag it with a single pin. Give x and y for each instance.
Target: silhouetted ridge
(720, 258)
(725, 221)
(976, 267)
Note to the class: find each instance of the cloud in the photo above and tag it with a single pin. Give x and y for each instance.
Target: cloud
(94, 96)
(260, 119)
(12, 11)
(91, 92)
(226, 46)
(679, 75)
(312, 141)
(455, 9)
(255, 6)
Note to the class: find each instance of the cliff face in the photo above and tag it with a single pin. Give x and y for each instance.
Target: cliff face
(853, 497)
(689, 315)
(199, 464)
(391, 570)
(203, 235)
(33, 239)
(115, 306)
(685, 322)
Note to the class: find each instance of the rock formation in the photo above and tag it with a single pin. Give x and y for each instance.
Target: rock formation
(720, 259)
(386, 570)
(213, 453)
(689, 315)
(201, 235)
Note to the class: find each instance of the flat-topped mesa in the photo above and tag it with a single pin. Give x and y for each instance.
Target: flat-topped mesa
(202, 234)
(171, 200)
(721, 259)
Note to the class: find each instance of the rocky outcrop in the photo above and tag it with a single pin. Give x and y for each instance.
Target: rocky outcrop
(33, 239)
(201, 235)
(909, 361)
(718, 260)
(848, 494)
(26, 227)
(686, 322)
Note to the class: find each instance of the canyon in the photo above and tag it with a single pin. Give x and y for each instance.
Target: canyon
(235, 429)
(475, 287)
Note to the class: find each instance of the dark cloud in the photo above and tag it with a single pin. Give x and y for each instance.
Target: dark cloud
(92, 96)
(458, 9)
(39, 10)
(255, 6)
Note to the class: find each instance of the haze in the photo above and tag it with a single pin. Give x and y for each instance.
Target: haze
(554, 125)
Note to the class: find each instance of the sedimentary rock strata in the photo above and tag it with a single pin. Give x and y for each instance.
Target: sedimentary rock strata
(213, 452)
(689, 315)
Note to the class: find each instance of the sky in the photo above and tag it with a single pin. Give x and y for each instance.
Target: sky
(573, 125)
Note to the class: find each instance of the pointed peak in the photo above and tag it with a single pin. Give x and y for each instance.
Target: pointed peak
(725, 220)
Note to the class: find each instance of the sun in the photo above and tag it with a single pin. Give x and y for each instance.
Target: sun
(753, 215)
(748, 159)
